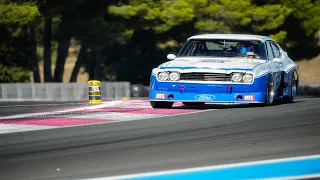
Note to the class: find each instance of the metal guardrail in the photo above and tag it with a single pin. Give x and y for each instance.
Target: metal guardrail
(79, 91)
(60, 91)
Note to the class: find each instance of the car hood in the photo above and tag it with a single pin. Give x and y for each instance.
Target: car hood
(212, 63)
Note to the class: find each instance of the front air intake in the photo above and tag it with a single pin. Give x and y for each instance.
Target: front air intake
(199, 76)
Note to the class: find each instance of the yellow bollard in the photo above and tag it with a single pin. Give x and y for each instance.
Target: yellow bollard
(125, 98)
(94, 92)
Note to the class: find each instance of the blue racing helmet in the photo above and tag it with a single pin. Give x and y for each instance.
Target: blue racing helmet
(244, 48)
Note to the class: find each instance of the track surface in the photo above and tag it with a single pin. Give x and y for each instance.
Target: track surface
(229, 134)
(10, 108)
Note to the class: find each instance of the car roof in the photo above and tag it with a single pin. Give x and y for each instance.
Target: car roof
(231, 36)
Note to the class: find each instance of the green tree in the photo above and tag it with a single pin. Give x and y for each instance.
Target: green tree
(17, 44)
(13, 74)
(162, 26)
(96, 32)
(301, 27)
(124, 40)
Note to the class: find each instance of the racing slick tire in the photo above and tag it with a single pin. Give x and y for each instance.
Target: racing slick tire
(193, 103)
(161, 104)
(293, 89)
(268, 100)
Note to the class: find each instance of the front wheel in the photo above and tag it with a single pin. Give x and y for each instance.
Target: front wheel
(161, 104)
(269, 93)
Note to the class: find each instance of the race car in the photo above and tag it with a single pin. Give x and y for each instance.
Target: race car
(225, 68)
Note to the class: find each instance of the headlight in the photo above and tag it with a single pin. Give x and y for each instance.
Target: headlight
(163, 76)
(247, 78)
(236, 77)
(174, 76)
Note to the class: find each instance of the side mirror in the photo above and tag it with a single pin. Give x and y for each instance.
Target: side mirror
(278, 60)
(171, 56)
(283, 53)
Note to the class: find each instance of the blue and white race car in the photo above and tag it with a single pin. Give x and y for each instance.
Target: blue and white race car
(234, 68)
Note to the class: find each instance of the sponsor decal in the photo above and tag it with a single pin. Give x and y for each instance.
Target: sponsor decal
(160, 96)
(163, 89)
(206, 97)
(229, 89)
(213, 61)
(182, 89)
(249, 97)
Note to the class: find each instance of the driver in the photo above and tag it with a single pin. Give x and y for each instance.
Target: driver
(243, 48)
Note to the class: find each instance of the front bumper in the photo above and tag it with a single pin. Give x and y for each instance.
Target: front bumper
(210, 93)
(213, 97)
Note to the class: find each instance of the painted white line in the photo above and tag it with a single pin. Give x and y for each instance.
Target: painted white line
(142, 118)
(9, 128)
(87, 107)
(206, 168)
(117, 116)
(295, 177)
(163, 116)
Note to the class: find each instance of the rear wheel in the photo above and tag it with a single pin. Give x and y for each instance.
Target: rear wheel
(193, 103)
(161, 104)
(293, 90)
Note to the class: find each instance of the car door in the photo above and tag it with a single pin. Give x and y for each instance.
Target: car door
(275, 67)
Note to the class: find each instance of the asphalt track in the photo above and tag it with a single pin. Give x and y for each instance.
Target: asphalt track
(229, 134)
(22, 107)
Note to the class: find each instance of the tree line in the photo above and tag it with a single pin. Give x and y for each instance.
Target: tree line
(122, 40)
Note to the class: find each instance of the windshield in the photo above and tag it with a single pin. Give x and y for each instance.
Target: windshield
(223, 48)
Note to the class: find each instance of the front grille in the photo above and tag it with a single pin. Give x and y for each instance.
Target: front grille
(198, 76)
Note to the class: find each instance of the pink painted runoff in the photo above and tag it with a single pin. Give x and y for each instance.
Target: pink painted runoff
(141, 110)
(144, 102)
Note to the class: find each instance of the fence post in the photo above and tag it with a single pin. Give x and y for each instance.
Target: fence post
(4, 92)
(127, 89)
(62, 92)
(47, 91)
(18, 91)
(32, 90)
(114, 85)
(74, 85)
